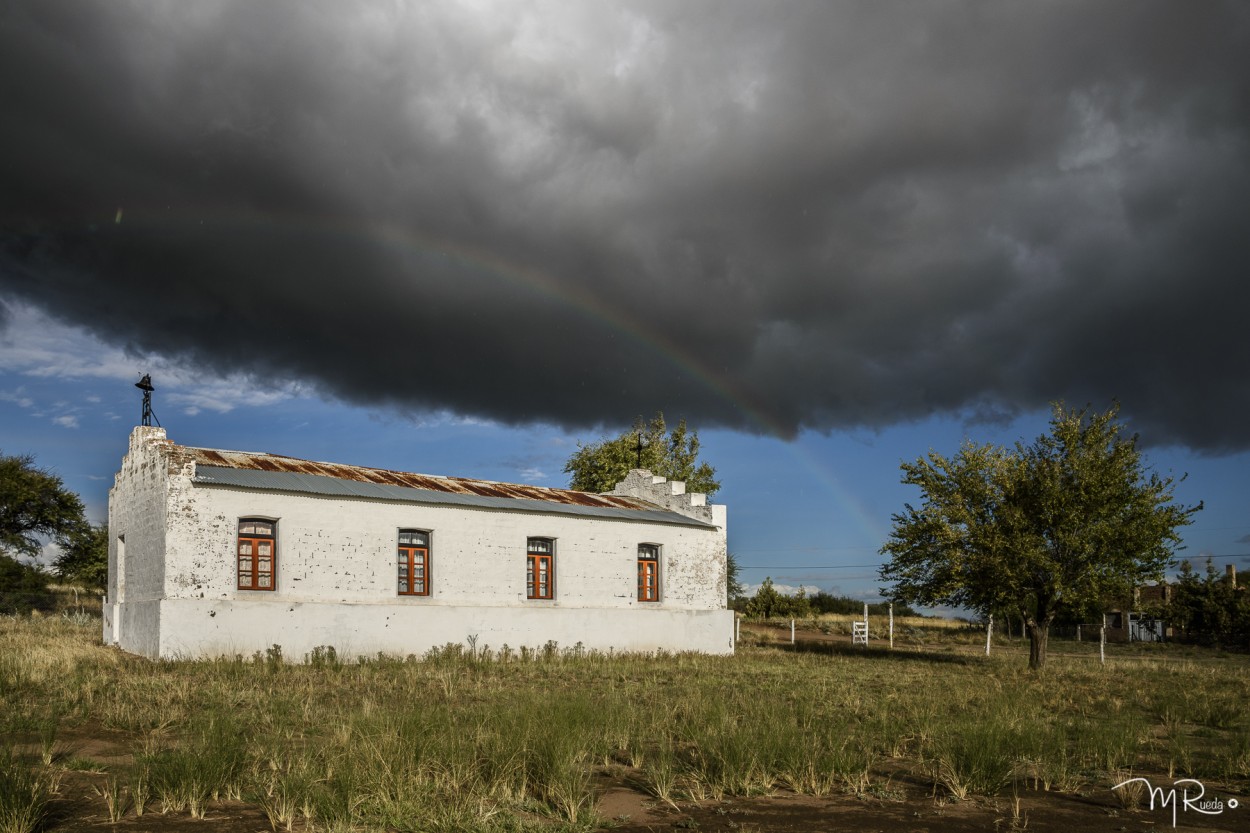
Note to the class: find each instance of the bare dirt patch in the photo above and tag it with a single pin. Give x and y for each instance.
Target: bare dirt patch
(910, 807)
(626, 810)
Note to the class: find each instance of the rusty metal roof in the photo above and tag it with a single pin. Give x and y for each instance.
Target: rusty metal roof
(280, 473)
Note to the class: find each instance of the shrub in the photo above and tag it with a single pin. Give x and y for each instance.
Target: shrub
(23, 588)
(767, 603)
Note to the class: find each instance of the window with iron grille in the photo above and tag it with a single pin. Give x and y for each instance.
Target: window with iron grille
(648, 573)
(413, 562)
(257, 554)
(540, 568)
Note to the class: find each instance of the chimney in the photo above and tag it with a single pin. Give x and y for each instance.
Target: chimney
(1230, 572)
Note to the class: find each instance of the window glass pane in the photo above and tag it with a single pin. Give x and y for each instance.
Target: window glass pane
(648, 551)
(543, 566)
(245, 564)
(264, 581)
(413, 538)
(540, 545)
(263, 547)
(245, 548)
(251, 526)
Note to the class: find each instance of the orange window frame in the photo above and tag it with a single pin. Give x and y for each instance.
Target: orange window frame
(414, 571)
(648, 574)
(256, 558)
(540, 569)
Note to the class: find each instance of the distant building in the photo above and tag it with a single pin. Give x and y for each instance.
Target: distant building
(1129, 623)
(224, 552)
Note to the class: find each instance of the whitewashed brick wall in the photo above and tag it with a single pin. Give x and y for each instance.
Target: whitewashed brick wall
(336, 574)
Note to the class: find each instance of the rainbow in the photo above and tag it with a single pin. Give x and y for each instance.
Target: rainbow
(407, 241)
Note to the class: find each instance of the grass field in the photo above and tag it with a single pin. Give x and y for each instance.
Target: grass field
(477, 738)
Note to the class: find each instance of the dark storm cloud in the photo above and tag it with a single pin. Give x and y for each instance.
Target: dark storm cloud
(821, 215)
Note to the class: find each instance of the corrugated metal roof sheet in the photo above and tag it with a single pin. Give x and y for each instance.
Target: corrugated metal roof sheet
(278, 473)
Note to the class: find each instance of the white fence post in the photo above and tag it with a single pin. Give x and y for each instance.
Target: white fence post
(891, 626)
(791, 631)
(1102, 644)
(989, 632)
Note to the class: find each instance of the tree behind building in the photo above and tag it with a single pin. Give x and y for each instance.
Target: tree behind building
(674, 455)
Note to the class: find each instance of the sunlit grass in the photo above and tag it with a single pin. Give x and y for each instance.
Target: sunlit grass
(468, 738)
(24, 794)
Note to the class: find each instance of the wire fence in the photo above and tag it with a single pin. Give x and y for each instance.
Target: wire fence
(919, 640)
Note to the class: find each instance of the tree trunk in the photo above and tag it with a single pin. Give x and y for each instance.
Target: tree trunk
(1039, 632)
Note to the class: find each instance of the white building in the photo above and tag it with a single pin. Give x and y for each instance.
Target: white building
(226, 552)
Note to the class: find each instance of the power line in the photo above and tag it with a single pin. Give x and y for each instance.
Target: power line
(811, 567)
(808, 549)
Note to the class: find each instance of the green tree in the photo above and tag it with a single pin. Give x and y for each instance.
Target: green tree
(84, 555)
(674, 455)
(769, 602)
(33, 503)
(1210, 609)
(733, 579)
(1073, 518)
(766, 602)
